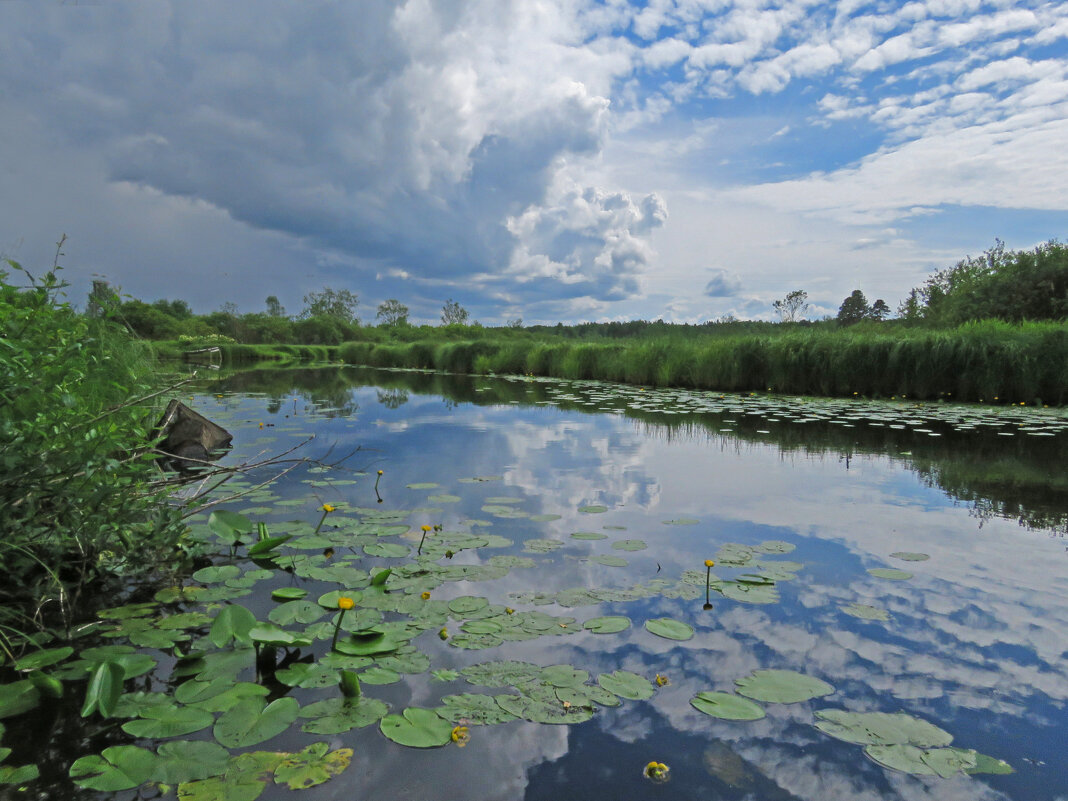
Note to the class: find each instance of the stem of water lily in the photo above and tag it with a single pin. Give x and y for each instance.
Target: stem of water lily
(321, 521)
(337, 629)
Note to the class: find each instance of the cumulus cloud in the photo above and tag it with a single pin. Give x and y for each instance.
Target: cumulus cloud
(722, 284)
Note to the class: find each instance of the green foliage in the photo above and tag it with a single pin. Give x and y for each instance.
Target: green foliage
(75, 473)
(793, 307)
(452, 313)
(392, 313)
(854, 309)
(339, 304)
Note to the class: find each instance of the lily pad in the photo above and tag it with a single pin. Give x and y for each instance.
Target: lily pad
(630, 545)
(609, 624)
(288, 594)
(120, 767)
(865, 612)
(337, 715)
(43, 658)
(944, 762)
(157, 722)
(669, 628)
(627, 685)
(881, 728)
(250, 721)
(588, 535)
(910, 556)
(609, 561)
(312, 766)
(500, 674)
(543, 709)
(726, 706)
(593, 509)
(782, 686)
(189, 760)
(473, 708)
(417, 728)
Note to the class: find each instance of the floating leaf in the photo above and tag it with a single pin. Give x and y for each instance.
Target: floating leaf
(312, 766)
(216, 573)
(158, 722)
(865, 612)
(337, 715)
(249, 721)
(221, 789)
(543, 709)
(120, 767)
(627, 685)
(609, 624)
(474, 708)
(295, 612)
(563, 676)
(593, 509)
(417, 728)
(774, 546)
(630, 545)
(890, 573)
(288, 594)
(910, 556)
(229, 525)
(379, 675)
(467, 604)
(268, 544)
(387, 550)
(500, 674)
(233, 623)
(541, 546)
(544, 518)
(782, 686)
(609, 561)
(43, 658)
(727, 706)
(588, 535)
(669, 628)
(189, 760)
(425, 485)
(881, 728)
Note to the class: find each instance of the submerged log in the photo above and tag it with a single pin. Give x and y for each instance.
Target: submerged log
(188, 435)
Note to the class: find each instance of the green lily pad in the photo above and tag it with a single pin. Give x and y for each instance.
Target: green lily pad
(774, 546)
(541, 545)
(189, 760)
(865, 611)
(627, 685)
(288, 594)
(669, 628)
(544, 518)
(467, 604)
(312, 766)
(500, 674)
(424, 485)
(295, 612)
(609, 624)
(910, 556)
(387, 550)
(231, 696)
(593, 509)
(444, 498)
(417, 728)
(630, 545)
(609, 561)
(379, 675)
(563, 676)
(216, 573)
(782, 686)
(250, 721)
(18, 697)
(890, 573)
(473, 708)
(233, 623)
(588, 535)
(43, 658)
(158, 722)
(881, 728)
(543, 709)
(944, 762)
(120, 767)
(337, 715)
(726, 706)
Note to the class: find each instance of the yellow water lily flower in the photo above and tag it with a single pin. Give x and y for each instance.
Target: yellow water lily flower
(657, 771)
(345, 603)
(380, 472)
(709, 563)
(662, 680)
(426, 528)
(425, 596)
(460, 735)
(328, 508)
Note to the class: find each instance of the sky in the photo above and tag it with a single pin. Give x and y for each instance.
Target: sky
(549, 160)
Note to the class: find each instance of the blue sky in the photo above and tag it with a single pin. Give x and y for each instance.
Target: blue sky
(555, 161)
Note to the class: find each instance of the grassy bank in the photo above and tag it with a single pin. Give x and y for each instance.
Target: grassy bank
(986, 362)
(236, 353)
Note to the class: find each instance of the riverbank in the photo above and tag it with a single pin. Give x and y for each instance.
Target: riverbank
(983, 362)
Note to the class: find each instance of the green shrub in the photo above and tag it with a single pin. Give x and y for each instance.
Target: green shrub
(76, 478)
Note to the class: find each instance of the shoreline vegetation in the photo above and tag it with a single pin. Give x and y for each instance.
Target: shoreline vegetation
(991, 329)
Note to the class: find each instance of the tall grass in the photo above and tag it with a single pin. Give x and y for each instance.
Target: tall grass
(988, 361)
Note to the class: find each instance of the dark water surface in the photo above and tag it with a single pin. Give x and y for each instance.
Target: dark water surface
(974, 642)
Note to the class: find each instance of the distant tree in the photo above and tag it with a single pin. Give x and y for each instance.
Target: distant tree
(911, 308)
(853, 309)
(339, 304)
(879, 310)
(274, 308)
(516, 323)
(452, 313)
(229, 309)
(103, 300)
(793, 307)
(392, 312)
(178, 309)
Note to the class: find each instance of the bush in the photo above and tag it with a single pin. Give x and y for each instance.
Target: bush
(76, 490)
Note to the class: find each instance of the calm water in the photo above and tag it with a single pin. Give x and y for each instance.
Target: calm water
(974, 642)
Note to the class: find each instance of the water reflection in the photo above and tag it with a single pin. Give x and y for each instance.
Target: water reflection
(975, 640)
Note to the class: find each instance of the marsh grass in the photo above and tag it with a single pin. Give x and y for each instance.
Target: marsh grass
(975, 362)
